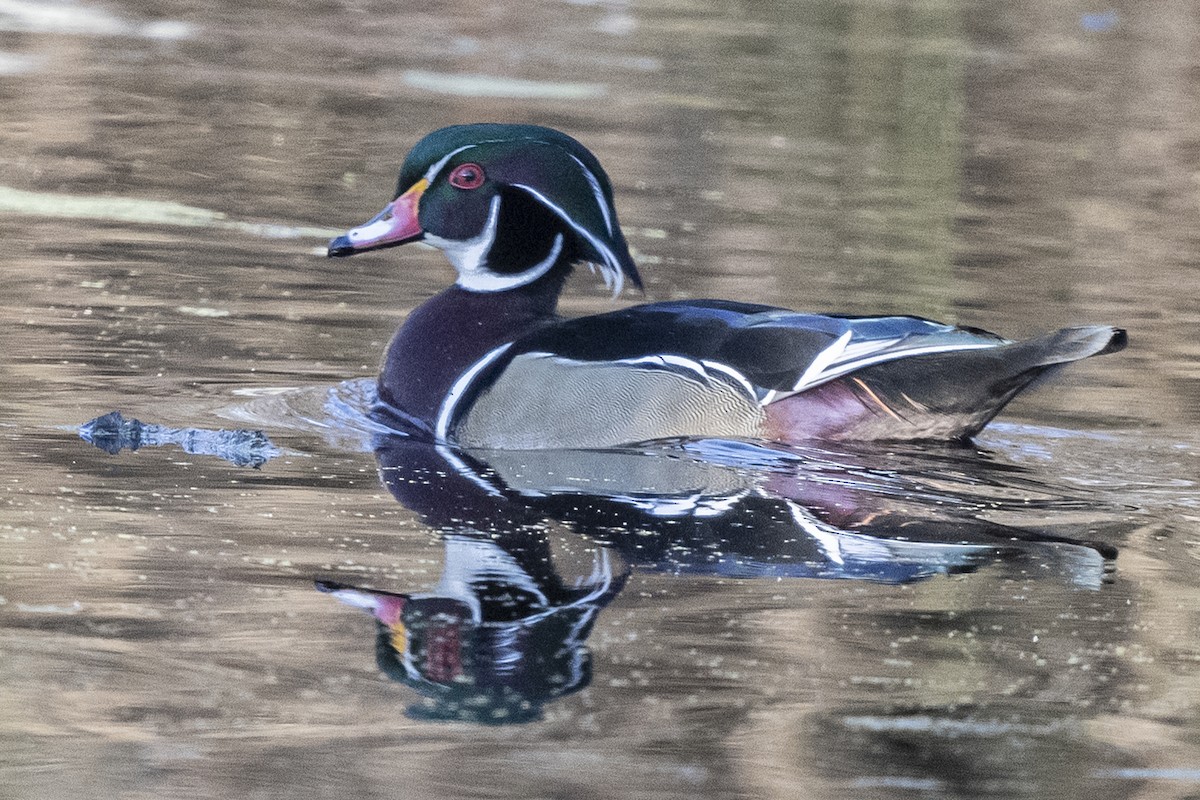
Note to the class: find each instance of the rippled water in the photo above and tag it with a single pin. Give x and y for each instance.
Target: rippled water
(696, 619)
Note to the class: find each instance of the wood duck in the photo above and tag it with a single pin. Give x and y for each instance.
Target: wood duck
(488, 363)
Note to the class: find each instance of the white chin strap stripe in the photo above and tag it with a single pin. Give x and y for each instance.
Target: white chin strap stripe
(483, 280)
(469, 257)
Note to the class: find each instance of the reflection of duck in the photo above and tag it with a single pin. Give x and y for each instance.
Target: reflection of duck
(669, 509)
(487, 363)
(503, 633)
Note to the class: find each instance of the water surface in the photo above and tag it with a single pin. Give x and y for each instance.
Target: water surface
(701, 619)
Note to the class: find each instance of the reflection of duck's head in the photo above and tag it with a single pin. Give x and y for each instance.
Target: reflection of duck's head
(490, 643)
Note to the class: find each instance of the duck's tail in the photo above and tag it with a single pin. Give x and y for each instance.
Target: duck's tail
(943, 395)
(1070, 344)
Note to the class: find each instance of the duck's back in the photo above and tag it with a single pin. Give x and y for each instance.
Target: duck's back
(720, 368)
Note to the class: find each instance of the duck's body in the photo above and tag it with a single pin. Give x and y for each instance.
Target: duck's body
(488, 363)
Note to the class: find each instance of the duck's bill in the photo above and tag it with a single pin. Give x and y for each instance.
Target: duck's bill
(397, 224)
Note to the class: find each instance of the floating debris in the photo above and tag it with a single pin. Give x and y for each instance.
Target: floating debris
(112, 433)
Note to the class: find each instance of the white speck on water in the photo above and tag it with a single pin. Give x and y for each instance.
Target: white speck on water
(166, 30)
(200, 311)
(898, 782)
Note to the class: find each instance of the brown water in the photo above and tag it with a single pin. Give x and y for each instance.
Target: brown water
(169, 173)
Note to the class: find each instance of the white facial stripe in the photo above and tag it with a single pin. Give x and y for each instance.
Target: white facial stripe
(432, 172)
(598, 192)
(483, 280)
(611, 269)
(450, 403)
(470, 560)
(469, 257)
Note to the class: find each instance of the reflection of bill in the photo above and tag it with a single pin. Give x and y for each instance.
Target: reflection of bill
(503, 632)
(498, 637)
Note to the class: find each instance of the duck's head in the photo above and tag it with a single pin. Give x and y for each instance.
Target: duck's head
(505, 203)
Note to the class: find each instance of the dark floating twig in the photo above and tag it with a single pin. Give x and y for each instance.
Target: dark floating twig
(113, 433)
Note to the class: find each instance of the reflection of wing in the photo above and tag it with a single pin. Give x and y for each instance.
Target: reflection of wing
(730, 509)
(810, 547)
(859, 554)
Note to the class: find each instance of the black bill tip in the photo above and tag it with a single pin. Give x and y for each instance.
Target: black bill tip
(341, 246)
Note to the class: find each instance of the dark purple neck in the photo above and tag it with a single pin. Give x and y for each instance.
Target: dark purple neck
(448, 333)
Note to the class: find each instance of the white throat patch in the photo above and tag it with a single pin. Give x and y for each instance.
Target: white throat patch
(469, 257)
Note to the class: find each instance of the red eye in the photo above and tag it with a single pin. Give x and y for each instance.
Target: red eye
(467, 176)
